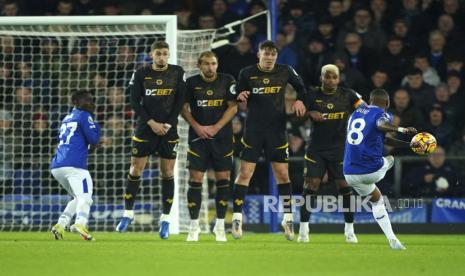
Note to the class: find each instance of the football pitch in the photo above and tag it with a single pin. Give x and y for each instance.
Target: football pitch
(24, 253)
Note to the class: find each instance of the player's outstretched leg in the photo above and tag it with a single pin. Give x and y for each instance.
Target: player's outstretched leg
(58, 229)
(132, 189)
(382, 218)
(221, 202)
(346, 193)
(194, 201)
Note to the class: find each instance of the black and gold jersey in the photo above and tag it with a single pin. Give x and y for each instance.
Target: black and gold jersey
(208, 100)
(265, 105)
(157, 94)
(335, 109)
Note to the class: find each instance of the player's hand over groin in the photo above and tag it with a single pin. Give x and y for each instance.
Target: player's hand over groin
(158, 128)
(299, 108)
(202, 131)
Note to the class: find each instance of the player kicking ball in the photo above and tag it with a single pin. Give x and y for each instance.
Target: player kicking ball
(69, 165)
(364, 164)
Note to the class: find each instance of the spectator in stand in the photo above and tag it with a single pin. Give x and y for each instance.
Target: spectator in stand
(436, 178)
(429, 74)
(313, 58)
(10, 8)
(326, 31)
(454, 35)
(8, 150)
(400, 29)
(39, 141)
(22, 107)
(234, 58)
(458, 150)
(206, 21)
(452, 8)
(379, 79)
(360, 58)
(381, 14)
(287, 52)
(221, 13)
(453, 110)
(408, 113)
(184, 15)
(436, 52)
(349, 77)
(418, 22)
(395, 59)
(65, 8)
(440, 127)
(372, 36)
(337, 13)
(421, 93)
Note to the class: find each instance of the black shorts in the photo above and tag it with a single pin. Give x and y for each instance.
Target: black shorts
(273, 144)
(162, 146)
(216, 153)
(317, 162)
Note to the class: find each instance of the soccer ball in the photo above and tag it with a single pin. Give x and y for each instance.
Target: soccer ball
(427, 143)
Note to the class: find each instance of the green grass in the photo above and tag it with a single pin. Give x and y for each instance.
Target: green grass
(130, 254)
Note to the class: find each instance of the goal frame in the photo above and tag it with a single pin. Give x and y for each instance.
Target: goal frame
(170, 38)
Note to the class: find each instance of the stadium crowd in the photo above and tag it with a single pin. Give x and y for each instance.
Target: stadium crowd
(411, 48)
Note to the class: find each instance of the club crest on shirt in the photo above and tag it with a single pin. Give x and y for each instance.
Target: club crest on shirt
(209, 92)
(266, 80)
(159, 82)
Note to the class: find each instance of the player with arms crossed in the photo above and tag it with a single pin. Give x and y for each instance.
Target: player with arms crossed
(364, 164)
(210, 106)
(157, 96)
(262, 87)
(69, 165)
(331, 106)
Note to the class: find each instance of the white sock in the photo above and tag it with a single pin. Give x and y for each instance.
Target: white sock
(237, 216)
(288, 217)
(382, 218)
(128, 214)
(349, 228)
(68, 213)
(82, 209)
(164, 217)
(194, 222)
(219, 223)
(303, 228)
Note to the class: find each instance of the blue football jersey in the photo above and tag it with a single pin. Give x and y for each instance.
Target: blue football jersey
(364, 145)
(78, 130)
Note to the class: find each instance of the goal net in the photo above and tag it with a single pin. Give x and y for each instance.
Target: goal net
(42, 60)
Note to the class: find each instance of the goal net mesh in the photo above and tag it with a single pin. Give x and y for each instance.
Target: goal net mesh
(40, 66)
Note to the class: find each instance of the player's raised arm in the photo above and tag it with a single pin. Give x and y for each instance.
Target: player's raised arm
(136, 87)
(296, 81)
